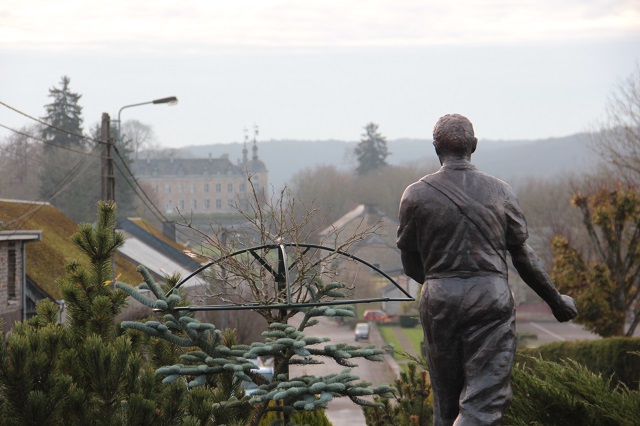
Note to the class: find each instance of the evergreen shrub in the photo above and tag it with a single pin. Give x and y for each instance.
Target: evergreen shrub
(617, 358)
(548, 393)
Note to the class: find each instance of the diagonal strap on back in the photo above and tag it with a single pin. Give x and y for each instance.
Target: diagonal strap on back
(483, 218)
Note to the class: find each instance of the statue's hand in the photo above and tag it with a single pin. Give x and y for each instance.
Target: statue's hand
(566, 310)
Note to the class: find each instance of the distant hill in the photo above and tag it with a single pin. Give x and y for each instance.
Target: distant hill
(504, 159)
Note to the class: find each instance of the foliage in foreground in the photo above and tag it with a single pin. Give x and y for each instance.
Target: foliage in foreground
(567, 393)
(412, 404)
(265, 266)
(85, 371)
(545, 393)
(614, 357)
(209, 357)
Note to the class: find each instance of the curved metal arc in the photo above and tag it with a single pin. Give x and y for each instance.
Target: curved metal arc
(207, 265)
(282, 246)
(229, 307)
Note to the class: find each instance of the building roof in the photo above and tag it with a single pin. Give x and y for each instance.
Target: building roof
(189, 167)
(46, 259)
(154, 237)
(358, 213)
(358, 220)
(146, 245)
(20, 235)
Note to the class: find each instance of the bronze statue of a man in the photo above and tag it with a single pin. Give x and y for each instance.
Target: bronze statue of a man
(456, 226)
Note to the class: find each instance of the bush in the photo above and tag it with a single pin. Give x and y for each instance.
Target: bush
(615, 357)
(310, 418)
(412, 405)
(408, 321)
(567, 393)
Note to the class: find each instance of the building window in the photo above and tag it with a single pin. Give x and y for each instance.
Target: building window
(169, 207)
(218, 187)
(11, 270)
(243, 187)
(194, 204)
(229, 187)
(218, 204)
(193, 188)
(181, 188)
(167, 188)
(155, 188)
(181, 204)
(207, 204)
(206, 187)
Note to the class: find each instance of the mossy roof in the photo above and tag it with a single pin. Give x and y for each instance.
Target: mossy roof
(46, 259)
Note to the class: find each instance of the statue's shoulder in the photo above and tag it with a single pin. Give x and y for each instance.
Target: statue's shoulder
(419, 189)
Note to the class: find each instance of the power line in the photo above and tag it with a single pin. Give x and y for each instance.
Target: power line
(151, 205)
(71, 176)
(130, 173)
(148, 203)
(44, 141)
(51, 126)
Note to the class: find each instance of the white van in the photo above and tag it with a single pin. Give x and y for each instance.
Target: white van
(362, 331)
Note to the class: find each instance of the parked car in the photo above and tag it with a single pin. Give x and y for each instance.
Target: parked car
(376, 315)
(361, 331)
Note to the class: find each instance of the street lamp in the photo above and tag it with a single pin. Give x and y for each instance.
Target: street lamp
(171, 100)
(108, 179)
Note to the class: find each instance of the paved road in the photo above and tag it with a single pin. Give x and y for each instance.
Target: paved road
(341, 411)
(553, 331)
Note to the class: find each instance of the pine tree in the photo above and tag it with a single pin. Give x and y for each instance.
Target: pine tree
(85, 371)
(371, 152)
(64, 113)
(69, 175)
(411, 406)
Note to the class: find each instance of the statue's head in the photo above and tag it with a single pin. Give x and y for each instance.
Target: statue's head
(453, 136)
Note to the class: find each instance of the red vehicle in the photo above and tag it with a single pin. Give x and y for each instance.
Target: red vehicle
(376, 315)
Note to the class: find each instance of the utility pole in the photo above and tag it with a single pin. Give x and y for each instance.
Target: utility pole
(108, 177)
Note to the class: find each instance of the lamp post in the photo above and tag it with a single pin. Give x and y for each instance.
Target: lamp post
(108, 183)
(171, 100)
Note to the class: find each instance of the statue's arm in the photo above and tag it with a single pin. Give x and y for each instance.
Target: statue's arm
(530, 268)
(407, 240)
(412, 265)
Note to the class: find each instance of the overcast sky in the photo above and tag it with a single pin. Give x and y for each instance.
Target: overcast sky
(320, 69)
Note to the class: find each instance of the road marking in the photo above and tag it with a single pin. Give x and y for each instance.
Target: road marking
(549, 332)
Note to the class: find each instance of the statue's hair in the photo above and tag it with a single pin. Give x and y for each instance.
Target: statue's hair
(453, 133)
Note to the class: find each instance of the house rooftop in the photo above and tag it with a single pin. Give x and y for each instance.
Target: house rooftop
(46, 259)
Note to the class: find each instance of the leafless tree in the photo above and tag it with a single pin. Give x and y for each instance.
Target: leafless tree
(19, 161)
(250, 277)
(138, 136)
(617, 138)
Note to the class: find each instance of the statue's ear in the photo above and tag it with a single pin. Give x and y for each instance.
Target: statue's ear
(474, 145)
